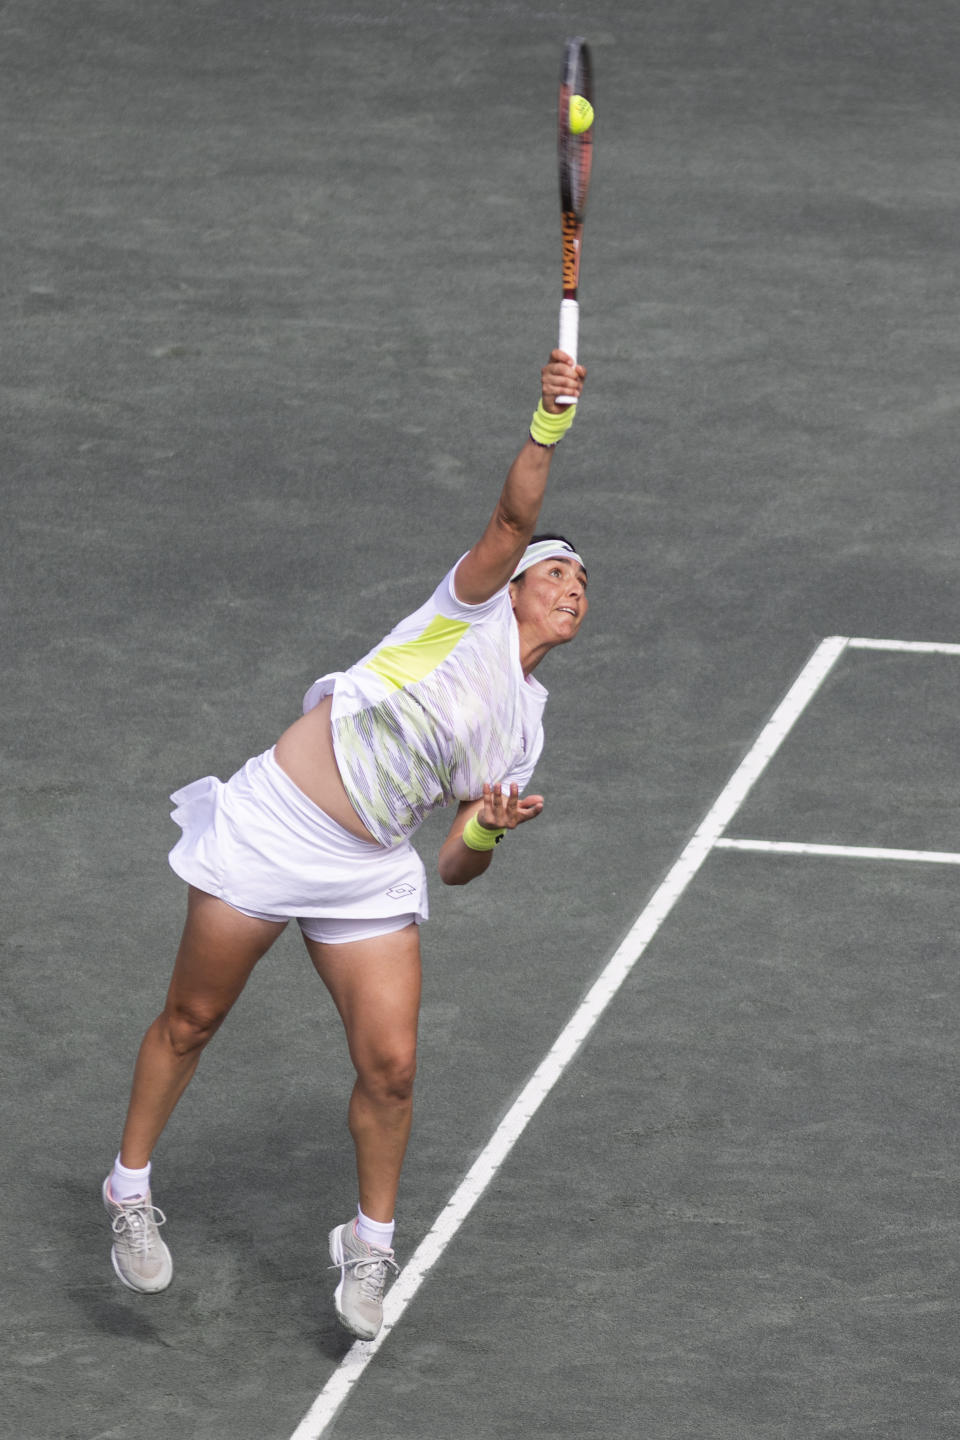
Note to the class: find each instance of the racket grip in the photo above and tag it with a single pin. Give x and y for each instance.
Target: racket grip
(569, 337)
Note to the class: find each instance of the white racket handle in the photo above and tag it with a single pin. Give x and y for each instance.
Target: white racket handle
(569, 336)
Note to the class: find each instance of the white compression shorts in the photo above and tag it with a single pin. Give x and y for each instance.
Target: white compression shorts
(257, 842)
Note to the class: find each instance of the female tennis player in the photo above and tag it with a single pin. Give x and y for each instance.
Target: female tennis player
(317, 829)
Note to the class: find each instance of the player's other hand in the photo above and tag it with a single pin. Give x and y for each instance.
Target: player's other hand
(505, 811)
(560, 377)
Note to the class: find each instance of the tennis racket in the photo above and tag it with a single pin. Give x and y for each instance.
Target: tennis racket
(575, 153)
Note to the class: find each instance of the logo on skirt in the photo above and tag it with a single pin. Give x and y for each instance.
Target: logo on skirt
(397, 892)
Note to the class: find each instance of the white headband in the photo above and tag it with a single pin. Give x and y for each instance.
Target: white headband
(546, 550)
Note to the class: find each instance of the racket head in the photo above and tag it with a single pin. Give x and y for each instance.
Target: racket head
(575, 157)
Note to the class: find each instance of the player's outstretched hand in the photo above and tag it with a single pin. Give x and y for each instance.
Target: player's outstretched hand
(560, 377)
(501, 811)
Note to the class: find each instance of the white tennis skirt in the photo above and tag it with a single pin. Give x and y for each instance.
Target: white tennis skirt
(257, 842)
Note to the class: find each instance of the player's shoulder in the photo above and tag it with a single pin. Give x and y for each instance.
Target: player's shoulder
(449, 602)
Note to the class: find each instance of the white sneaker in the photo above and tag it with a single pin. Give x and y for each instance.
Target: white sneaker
(363, 1278)
(139, 1256)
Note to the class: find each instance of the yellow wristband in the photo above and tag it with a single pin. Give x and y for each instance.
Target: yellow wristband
(477, 837)
(547, 429)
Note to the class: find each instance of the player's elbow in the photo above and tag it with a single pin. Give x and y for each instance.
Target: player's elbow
(458, 866)
(451, 873)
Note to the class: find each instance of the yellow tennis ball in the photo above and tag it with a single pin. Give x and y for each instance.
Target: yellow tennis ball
(581, 114)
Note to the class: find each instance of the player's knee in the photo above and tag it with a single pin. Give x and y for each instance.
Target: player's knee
(389, 1077)
(190, 1027)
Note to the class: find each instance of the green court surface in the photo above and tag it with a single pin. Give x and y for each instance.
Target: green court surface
(278, 282)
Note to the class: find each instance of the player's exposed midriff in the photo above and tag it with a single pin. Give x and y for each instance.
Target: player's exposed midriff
(305, 753)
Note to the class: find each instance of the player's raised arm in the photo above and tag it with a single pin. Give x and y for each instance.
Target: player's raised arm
(491, 562)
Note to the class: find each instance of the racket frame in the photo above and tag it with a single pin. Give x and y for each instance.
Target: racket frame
(575, 157)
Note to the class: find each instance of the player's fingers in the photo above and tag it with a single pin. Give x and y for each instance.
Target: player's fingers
(561, 382)
(497, 803)
(562, 367)
(560, 364)
(508, 807)
(511, 803)
(505, 811)
(487, 814)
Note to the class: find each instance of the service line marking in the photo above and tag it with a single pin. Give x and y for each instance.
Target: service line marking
(567, 1044)
(908, 647)
(854, 852)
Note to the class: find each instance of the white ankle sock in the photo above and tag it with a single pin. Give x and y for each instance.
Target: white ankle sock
(375, 1232)
(126, 1184)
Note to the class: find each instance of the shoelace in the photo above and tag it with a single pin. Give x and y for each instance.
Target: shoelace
(371, 1272)
(132, 1226)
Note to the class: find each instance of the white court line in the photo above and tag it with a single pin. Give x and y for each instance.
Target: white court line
(575, 1032)
(917, 647)
(856, 852)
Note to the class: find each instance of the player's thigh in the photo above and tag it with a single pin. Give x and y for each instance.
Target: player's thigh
(218, 951)
(375, 985)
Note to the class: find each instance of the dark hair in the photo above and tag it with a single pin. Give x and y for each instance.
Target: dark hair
(552, 535)
(549, 535)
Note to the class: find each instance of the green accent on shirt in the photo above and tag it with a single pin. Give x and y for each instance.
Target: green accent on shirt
(401, 665)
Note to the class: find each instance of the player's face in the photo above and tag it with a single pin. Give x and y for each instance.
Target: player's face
(551, 598)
